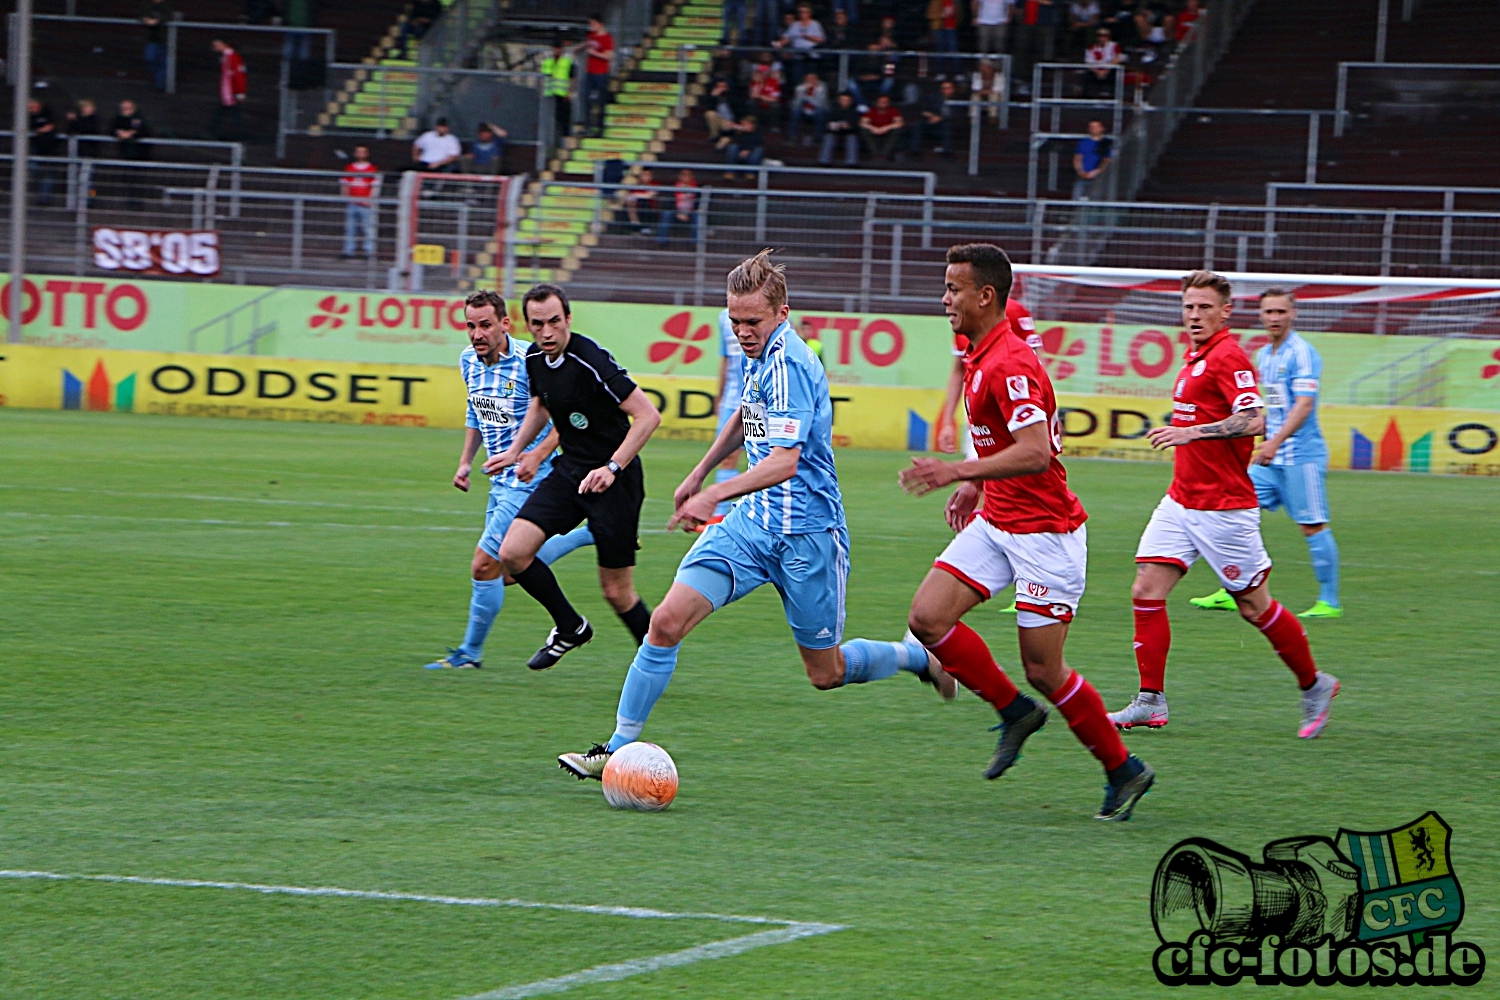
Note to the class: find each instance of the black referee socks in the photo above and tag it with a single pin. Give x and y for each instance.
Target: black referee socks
(538, 581)
(638, 620)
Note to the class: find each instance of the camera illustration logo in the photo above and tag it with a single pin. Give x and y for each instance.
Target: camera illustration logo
(1376, 908)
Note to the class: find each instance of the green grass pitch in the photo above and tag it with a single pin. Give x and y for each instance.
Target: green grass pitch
(212, 637)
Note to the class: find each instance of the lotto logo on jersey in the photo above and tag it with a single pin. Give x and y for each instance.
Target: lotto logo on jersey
(1015, 386)
(1244, 380)
(1247, 401)
(1026, 414)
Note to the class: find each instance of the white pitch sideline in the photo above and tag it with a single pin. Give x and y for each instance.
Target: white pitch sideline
(785, 930)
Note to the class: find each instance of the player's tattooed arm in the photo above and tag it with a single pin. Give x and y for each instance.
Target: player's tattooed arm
(1245, 423)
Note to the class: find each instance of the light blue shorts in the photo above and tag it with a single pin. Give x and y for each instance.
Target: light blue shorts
(499, 511)
(732, 558)
(1301, 489)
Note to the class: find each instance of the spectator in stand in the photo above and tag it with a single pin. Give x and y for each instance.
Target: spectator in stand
(1104, 58)
(882, 127)
(801, 37)
(722, 118)
(419, 20)
(841, 34)
(85, 122)
(129, 127)
(991, 21)
(748, 147)
(233, 87)
(1153, 26)
(768, 20)
(684, 210)
(765, 92)
(988, 85)
(842, 126)
(601, 55)
(1186, 18)
(641, 200)
(1119, 18)
(155, 16)
(1083, 21)
(436, 150)
(361, 186)
(1091, 159)
(942, 24)
(1033, 40)
(935, 121)
(734, 23)
(486, 154)
(849, 8)
(809, 107)
(43, 130)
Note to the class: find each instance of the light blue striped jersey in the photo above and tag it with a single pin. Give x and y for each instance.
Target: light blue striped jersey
(499, 396)
(734, 374)
(1293, 370)
(786, 405)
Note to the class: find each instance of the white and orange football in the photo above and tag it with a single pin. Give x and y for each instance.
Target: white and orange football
(640, 776)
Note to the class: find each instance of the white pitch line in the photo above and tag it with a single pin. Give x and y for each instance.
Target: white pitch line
(223, 523)
(786, 931)
(654, 963)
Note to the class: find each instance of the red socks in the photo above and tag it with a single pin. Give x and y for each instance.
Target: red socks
(1289, 640)
(1081, 705)
(964, 655)
(1153, 637)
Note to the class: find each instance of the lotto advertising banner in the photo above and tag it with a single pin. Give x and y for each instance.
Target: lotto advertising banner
(859, 349)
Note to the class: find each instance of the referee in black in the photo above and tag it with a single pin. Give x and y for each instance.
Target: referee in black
(576, 384)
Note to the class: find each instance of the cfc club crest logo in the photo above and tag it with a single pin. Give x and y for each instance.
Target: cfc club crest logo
(1362, 908)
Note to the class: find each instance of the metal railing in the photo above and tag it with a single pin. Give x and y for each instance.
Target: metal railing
(1341, 98)
(330, 39)
(1449, 210)
(1143, 140)
(1057, 103)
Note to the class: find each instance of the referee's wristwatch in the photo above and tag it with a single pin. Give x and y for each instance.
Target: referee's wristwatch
(613, 467)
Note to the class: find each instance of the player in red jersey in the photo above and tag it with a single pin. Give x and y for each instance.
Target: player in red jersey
(1211, 511)
(1022, 325)
(1031, 535)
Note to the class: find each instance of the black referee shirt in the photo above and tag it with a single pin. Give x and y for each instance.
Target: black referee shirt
(583, 391)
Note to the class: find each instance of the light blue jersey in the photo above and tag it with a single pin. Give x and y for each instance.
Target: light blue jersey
(1293, 370)
(499, 396)
(786, 405)
(734, 373)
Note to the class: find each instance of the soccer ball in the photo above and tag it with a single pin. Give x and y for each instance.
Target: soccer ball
(640, 776)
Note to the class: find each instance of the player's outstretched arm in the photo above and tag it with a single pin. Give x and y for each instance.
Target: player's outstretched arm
(532, 460)
(472, 440)
(1246, 423)
(774, 469)
(536, 418)
(730, 440)
(1031, 454)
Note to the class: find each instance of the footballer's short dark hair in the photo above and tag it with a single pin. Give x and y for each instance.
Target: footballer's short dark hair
(543, 292)
(478, 300)
(989, 264)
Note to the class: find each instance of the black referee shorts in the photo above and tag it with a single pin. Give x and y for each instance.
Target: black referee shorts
(614, 516)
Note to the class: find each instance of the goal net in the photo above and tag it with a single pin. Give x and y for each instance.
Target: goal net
(1325, 303)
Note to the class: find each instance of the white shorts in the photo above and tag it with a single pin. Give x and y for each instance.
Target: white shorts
(1228, 540)
(1048, 569)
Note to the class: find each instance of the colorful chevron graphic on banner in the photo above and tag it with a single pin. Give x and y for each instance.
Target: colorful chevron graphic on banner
(99, 394)
(1393, 453)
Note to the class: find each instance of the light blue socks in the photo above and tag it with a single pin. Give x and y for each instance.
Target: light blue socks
(560, 545)
(484, 605)
(724, 476)
(1325, 564)
(866, 660)
(647, 679)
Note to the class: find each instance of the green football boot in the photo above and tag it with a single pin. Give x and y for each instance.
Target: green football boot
(1322, 609)
(1218, 601)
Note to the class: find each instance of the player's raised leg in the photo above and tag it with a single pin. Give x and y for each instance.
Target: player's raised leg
(1287, 636)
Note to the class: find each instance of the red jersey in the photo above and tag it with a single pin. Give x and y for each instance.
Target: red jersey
(233, 84)
(600, 49)
(361, 181)
(1021, 324)
(1212, 474)
(1005, 389)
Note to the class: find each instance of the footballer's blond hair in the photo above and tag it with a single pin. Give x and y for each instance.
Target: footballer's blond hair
(758, 274)
(1208, 279)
